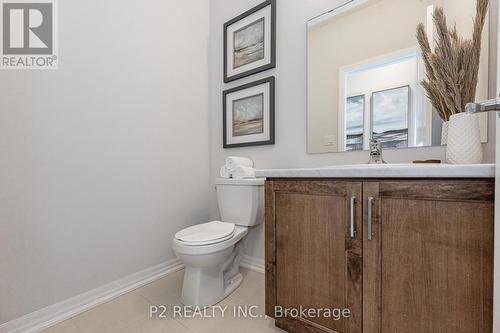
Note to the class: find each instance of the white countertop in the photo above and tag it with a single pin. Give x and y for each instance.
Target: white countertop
(385, 171)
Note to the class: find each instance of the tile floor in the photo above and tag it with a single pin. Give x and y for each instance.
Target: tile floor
(130, 312)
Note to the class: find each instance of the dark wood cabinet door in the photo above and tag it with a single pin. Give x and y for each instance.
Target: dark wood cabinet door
(429, 266)
(313, 260)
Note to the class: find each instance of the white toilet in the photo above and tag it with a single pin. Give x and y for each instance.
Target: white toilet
(212, 251)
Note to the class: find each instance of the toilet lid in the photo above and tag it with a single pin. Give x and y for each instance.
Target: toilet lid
(206, 233)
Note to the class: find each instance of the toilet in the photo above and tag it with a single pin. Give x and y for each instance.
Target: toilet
(212, 251)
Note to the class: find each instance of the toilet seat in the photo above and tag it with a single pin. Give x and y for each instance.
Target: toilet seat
(182, 248)
(206, 233)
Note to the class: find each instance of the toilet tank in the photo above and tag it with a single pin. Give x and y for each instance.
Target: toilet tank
(241, 201)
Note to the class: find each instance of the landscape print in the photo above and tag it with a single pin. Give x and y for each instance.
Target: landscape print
(248, 115)
(390, 117)
(248, 44)
(355, 110)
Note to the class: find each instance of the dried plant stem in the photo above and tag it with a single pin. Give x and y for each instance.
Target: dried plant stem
(452, 68)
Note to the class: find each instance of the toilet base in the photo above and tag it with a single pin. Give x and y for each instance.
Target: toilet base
(206, 286)
(233, 284)
(203, 287)
(211, 276)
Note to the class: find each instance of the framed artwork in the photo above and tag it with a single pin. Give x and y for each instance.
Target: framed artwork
(250, 42)
(390, 114)
(248, 114)
(355, 122)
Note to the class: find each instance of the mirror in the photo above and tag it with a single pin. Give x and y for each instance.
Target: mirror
(365, 71)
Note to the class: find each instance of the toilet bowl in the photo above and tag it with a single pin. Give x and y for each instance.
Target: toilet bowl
(212, 251)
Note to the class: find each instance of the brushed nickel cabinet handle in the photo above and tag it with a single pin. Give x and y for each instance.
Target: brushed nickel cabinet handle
(370, 217)
(353, 227)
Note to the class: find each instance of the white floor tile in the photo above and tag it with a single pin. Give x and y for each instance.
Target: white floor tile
(152, 325)
(253, 283)
(130, 313)
(117, 313)
(166, 291)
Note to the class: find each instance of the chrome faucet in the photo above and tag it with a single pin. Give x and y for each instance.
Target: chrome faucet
(376, 152)
(489, 105)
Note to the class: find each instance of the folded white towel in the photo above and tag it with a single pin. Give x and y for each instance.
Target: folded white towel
(233, 161)
(224, 172)
(243, 172)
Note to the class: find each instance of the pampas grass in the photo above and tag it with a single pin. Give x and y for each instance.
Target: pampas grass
(452, 68)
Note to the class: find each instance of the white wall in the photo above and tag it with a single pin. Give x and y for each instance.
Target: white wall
(290, 148)
(103, 160)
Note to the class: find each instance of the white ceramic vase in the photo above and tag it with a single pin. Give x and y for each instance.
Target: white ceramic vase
(444, 133)
(464, 140)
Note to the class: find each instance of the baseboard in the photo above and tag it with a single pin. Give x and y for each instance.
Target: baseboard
(253, 263)
(56, 313)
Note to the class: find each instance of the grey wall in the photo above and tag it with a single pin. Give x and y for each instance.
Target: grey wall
(103, 160)
(290, 148)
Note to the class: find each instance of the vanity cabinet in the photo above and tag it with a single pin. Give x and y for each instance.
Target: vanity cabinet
(401, 255)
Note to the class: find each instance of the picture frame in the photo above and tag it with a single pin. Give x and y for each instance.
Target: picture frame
(352, 139)
(248, 115)
(395, 131)
(250, 42)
